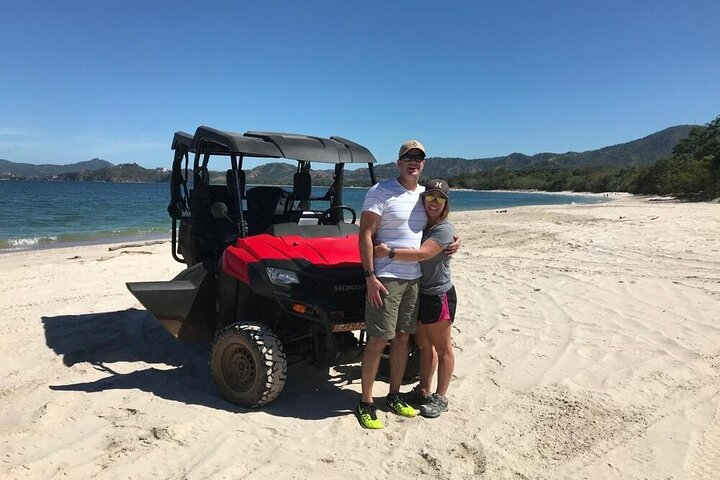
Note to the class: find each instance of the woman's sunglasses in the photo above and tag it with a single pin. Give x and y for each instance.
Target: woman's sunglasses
(435, 198)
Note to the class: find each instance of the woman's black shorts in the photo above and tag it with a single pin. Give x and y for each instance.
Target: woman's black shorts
(434, 308)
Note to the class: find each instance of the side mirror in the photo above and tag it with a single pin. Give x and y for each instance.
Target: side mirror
(219, 210)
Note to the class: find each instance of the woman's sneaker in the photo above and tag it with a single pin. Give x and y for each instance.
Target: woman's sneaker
(398, 405)
(434, 407)
(415, 398)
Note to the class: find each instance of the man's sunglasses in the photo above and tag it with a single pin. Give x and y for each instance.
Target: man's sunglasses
(412, 158)
(435, 198)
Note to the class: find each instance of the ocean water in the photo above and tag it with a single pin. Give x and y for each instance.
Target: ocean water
(49, 214)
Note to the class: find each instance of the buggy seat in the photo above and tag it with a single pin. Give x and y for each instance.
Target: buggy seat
(267, 206)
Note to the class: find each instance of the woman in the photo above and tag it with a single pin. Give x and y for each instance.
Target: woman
(437, 297)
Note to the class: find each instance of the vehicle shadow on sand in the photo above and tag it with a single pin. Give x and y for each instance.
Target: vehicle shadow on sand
(183, 375)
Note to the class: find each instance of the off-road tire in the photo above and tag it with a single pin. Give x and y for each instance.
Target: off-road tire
(248, 364)
(412, 368)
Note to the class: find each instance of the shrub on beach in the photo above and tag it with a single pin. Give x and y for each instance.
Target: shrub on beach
(693, 171)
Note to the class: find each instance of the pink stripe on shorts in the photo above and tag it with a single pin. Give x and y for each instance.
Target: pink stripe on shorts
(445, 311)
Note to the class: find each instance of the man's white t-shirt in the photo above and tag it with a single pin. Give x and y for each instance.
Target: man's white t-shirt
(402, 220)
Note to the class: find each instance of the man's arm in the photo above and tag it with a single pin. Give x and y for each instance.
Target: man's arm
(453, 247)
(369, 223)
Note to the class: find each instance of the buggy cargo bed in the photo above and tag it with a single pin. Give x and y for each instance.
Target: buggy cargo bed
(182, 305)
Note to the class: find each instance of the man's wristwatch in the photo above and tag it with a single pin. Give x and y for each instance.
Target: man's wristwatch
(391, 253)
(369, 273)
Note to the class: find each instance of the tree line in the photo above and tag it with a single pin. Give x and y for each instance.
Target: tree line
(692, 172)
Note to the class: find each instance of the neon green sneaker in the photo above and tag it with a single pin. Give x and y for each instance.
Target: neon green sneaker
(367, 416)
(398, 405)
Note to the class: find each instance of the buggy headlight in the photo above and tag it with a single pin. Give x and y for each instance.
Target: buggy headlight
(280, 276)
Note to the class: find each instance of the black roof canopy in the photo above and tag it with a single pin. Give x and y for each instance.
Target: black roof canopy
(274, 145)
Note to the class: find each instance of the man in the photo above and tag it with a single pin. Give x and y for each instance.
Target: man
(392, 214)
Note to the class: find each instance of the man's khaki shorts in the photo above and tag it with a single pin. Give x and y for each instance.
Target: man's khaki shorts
(399, 310)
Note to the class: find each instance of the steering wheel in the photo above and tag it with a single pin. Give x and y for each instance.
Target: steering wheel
(326, 218)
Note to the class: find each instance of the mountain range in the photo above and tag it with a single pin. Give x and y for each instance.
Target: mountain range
(28, 170)
(642, 152)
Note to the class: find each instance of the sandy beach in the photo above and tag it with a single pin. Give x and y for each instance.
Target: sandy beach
(587, 346)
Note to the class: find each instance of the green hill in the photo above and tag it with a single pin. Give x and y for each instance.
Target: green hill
(123, 173)
(29, 171)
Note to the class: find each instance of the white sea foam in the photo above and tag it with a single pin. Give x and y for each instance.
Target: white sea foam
(28, 242)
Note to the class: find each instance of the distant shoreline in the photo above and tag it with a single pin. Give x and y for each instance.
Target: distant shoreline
(563, 192)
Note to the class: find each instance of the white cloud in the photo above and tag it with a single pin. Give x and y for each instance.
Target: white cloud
(12, 131)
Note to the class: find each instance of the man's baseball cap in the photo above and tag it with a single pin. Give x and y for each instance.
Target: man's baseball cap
(409, 145)
(438, 185)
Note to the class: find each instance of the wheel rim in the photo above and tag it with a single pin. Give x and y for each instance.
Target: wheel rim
(238, 367)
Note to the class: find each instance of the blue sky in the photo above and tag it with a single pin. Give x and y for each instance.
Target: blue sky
(114, 80)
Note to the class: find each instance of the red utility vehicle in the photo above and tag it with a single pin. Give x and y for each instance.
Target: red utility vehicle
(270, 278)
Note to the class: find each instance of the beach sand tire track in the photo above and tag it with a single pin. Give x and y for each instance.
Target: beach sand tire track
(703, 459)
(248, 364)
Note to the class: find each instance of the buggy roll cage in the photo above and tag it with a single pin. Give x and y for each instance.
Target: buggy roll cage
(209, 141)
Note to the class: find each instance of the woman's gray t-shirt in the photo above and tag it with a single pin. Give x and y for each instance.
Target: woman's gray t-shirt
(436, 271)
